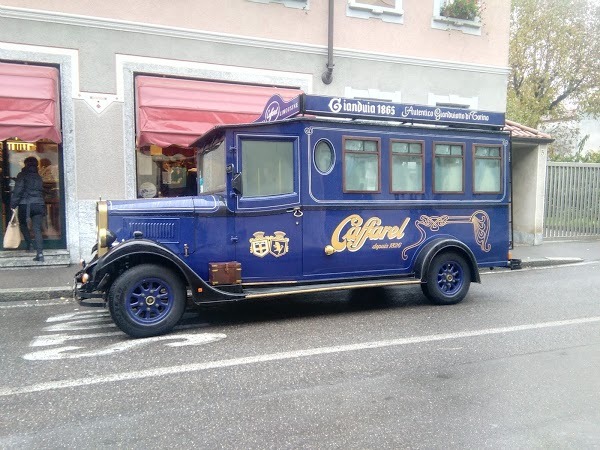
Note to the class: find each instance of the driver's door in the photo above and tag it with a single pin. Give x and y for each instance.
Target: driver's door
(268, 221)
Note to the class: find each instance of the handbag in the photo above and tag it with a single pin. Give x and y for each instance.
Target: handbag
(12, 236)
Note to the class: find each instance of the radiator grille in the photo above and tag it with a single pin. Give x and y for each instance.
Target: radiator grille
(160, 230)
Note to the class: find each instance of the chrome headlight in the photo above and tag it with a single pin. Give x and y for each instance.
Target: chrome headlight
(102, 227)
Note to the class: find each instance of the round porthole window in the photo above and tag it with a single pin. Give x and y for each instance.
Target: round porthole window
(324, 156)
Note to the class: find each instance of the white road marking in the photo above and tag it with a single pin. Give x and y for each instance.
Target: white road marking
(59, 339)
(86, 320)
(196, 367)
(82, 324)
(29, 304)
(77, 314)
(67, 352)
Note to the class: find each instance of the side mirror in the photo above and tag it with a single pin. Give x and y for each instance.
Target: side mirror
(236, 183)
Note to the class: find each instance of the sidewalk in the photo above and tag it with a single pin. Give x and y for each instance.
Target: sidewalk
(557, 252)
(43, 283)
(37, 283)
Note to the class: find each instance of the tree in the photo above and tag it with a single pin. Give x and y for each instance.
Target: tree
(554, 58)
(581, 155)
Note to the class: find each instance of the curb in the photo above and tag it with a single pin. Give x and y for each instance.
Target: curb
(545, 262)
(33, 294)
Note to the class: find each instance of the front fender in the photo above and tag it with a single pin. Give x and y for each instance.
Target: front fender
(435, 246)
(142, 250)
(135, 247)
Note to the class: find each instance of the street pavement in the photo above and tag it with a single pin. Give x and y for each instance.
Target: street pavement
(44, 283)
(515, 365)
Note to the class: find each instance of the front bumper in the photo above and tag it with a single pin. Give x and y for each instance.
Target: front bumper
(91, 288)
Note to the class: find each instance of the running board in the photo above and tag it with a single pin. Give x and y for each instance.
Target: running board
(310, 289)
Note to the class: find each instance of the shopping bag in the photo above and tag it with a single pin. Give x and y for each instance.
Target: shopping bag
(12, 236)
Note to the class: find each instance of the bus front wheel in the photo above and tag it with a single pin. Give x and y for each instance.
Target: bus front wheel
(447, 279)
(147, 300)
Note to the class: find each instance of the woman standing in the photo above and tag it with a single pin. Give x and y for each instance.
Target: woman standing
(28, 195)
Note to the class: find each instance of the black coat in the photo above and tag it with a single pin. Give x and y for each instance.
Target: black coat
(29, 188)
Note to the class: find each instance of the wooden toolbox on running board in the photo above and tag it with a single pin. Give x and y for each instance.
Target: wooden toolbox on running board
(225, 273)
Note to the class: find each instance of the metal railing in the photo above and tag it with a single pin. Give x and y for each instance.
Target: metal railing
(572, 208)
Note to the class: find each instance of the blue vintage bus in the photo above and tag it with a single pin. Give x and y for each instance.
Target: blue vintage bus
(321, 193)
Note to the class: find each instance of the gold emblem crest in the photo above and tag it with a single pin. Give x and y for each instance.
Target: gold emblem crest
(261, 245)
(279, 244)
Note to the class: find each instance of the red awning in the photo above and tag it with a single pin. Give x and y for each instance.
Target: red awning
(171, 111)
(29, 103)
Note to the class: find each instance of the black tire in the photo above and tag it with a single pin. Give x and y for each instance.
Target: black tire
(147, 300)
(447, 279)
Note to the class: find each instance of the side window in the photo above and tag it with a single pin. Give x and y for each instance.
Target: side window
(407, 166)
(324, 156)
(211, 169)
(487, 169)
(449, 168)
(268, 168)
(361, 165)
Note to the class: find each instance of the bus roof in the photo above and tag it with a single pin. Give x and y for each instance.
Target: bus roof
(278, 109)
(370, 111)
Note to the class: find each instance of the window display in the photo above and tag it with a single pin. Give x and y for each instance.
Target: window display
(14, 152)
(165, 172)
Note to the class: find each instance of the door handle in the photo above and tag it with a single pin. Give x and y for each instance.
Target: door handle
(296, 211)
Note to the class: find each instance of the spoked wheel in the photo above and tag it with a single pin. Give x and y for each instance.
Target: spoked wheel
(147, 300)
(447, 280)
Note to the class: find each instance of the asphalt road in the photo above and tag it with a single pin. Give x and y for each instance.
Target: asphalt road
(515, 365)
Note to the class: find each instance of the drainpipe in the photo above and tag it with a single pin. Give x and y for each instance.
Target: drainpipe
(327, 76)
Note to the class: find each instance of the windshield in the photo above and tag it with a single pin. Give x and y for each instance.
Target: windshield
(211, 169)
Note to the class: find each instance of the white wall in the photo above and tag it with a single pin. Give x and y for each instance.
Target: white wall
(529, 187)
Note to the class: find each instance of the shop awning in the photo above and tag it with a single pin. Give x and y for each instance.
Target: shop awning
(29, 103)
(176, 112)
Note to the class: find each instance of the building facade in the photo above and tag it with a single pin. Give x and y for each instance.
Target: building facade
(125, 67)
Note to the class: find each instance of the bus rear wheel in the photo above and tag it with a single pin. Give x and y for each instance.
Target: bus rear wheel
(447, 280)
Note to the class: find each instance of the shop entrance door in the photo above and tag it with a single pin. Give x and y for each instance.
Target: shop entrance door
(49, 156)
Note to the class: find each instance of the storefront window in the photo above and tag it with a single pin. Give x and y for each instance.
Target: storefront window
(13, 153)
(165, 172)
